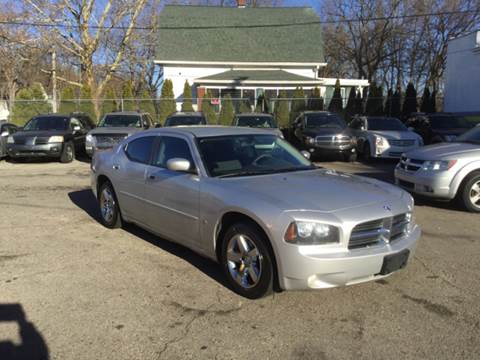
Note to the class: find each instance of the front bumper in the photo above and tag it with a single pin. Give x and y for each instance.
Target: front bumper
(304, 270)
(392, 152)
(317, 150)
(435, 184)
(46, 150)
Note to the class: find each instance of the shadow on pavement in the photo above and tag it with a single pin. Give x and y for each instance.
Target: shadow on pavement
(85, 200)
(32, 346)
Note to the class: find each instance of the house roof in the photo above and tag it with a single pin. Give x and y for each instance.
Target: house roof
(257, 77)
(239, 35)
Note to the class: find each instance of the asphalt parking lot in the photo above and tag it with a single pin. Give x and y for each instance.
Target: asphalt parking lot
(72, 289)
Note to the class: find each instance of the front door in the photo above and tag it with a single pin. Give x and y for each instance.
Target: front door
(130, 165)
(172, 198)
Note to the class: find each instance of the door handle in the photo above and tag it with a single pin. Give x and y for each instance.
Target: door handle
(116, 167)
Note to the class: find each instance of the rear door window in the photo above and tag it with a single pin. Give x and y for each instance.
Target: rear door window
(140, 149)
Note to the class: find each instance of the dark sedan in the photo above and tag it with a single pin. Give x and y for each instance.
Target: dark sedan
(439, 127)
(50, 136)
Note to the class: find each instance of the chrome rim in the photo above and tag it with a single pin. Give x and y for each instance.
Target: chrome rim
(107, 205)
(244, 261)
(69, 153)
(475, 194)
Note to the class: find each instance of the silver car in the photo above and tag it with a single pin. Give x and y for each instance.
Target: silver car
(250, 201)
(445, 171)
(383, 137)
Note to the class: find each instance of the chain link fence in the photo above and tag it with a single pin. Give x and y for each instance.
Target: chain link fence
(217, 110)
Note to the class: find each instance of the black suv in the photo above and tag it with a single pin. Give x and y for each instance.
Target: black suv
(51, 135)
(438, 127)
(323, 133)
(186, 118)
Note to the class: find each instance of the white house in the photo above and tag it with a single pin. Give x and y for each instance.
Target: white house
(244, 52)
(462, 74)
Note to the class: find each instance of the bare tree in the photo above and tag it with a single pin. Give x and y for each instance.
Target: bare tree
(88, 30)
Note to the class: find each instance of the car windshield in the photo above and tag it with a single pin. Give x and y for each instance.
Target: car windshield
(442, 122)
(324, 121)
(121, 121)
(248, 155)
(47, 123)
(260, 121)
(471, 136)
(384, 123)
(185, 120)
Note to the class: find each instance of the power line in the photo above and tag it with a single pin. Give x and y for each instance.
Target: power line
(337, 21)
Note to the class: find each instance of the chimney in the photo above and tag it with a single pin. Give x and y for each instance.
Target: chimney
(241, 4)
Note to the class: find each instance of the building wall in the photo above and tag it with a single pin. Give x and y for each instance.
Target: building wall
(462, 74)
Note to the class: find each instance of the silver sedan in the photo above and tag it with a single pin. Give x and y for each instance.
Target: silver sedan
(250, 201)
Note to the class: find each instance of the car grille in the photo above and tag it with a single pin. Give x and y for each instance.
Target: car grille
(104, 140)
(382, 230)
(401, 143)
(332, 141)
(20, 141)
(410, 164)
(41, 141)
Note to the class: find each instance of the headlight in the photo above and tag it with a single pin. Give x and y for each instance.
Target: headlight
(410, 219)
(309, 140)
(10, 140)
(55, 139)
(441, 165)
(89, 139)
(380, 141)
(311, 233)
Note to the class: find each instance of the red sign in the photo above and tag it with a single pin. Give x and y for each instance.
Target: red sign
(215, 101)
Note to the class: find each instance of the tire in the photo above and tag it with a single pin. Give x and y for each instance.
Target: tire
(68, 153)
(350, 157)
(249, 276)
(367, 156)
(110, 215)
(469, 194)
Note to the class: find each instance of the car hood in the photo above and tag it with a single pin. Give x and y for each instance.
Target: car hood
(43, 133)
(317, 190)
(312, 132)
(396, 135)
(115, 130)
(447, 151)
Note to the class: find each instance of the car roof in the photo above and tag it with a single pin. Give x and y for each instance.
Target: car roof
(211, 130)
(190, 113)
(254, 114)
(124, 113)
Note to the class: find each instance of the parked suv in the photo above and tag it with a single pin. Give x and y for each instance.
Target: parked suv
(6, 129)
(445, 171)
(114, 127)
(438, 127)
(383, 137)
(186, 118)
(323, 132)
(257, 120)
(52, 135)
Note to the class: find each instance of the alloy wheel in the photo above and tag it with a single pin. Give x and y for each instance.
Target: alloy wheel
(107, 205)
(244, 261)
(475, 194)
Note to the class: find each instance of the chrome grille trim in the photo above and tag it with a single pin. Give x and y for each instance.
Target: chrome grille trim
(410, 164)
(374, 232)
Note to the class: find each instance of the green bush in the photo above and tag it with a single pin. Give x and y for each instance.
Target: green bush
(187, 98)
(167, 101)
(227, 113)
(67, 101)
(29, 102)
(281, 110)
(207, 108)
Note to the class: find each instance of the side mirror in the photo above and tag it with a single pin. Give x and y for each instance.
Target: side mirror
(76, 128)
(4, 134)
(178, 164)
(306, 154)
(362, 128)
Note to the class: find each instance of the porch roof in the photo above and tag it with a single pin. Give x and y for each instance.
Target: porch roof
(250, 77)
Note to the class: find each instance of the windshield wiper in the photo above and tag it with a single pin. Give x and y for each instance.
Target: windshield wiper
(245, 173)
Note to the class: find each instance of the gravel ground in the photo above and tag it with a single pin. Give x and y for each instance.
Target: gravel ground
(72, 289)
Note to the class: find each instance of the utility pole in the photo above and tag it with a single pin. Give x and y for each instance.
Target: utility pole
(54, 80)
